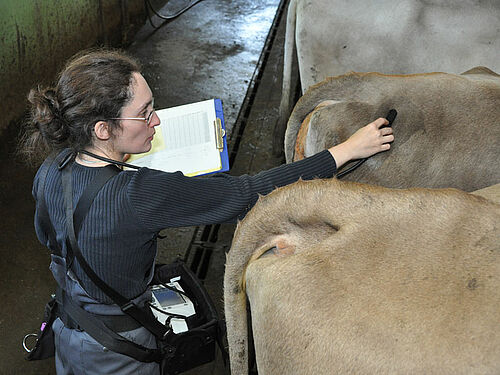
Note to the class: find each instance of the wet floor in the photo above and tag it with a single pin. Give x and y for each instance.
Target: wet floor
(211, 51)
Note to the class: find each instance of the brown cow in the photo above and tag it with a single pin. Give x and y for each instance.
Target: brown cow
(363, 279)
(447, 132)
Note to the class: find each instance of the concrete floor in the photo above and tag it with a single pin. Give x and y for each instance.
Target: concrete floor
(210, 51)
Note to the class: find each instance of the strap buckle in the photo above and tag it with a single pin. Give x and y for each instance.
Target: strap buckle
(129, 305)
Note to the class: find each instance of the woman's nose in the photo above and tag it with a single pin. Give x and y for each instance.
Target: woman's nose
(155, 120)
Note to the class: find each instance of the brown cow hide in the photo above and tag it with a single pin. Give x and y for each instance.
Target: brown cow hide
(375, 281)
(447, 132)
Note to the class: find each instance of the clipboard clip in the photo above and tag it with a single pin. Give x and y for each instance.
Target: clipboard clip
(219, 135)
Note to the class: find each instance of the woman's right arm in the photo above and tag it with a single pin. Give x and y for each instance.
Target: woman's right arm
(172, 200)
(164, 200)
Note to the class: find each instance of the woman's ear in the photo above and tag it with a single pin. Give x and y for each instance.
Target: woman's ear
(102, 130)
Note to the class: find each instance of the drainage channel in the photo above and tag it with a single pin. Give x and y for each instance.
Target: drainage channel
(201, 246)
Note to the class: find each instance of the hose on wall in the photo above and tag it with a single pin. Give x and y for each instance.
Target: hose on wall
(166, 17)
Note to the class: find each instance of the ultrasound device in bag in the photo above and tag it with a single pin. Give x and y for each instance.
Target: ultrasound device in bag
(170, 301)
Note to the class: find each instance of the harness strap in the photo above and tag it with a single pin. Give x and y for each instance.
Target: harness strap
(105, 336)
(86, 321)
(89, 194)
(140, 315)
(117, 323)
(43, 212)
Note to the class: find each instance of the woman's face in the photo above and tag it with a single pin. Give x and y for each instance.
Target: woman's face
(135, 136)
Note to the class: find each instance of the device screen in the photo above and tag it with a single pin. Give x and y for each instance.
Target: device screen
(167, 297)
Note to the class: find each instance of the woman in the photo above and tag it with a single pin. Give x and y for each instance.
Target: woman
(103, 105)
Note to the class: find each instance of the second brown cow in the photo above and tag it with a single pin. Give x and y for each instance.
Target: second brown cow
(447, 132)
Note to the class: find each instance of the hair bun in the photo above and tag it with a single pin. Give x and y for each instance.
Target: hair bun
(51, 97)
(46, 116)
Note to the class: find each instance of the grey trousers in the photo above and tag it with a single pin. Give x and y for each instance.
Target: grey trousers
(79, 354)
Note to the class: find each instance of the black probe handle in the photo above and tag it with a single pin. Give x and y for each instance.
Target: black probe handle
(391, 116)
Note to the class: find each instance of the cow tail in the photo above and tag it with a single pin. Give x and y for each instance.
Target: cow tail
(235, 307)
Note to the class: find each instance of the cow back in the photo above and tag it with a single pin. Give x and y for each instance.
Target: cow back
(447, 132)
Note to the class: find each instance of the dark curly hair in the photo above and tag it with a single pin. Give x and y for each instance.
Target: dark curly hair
(94, 85)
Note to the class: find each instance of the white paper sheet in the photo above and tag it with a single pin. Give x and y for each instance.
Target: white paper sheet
(184, 141)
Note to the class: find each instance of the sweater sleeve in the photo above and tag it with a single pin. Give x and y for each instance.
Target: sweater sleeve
(164, 200)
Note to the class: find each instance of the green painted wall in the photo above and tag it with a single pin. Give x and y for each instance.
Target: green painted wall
(37, 36)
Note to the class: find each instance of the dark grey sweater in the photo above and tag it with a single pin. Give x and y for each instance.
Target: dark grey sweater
(118, 236)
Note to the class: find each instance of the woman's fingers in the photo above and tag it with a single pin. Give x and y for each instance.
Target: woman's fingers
(386, 131)
(388, 138)
(380, 122)
(385, 147)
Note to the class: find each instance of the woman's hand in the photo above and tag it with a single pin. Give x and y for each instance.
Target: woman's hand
(365, 142)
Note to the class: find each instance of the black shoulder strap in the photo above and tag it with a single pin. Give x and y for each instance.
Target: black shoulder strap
(89, 194)
(74, 222)
(43, 212)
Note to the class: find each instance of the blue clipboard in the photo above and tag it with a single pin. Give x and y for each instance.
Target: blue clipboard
(224, 155)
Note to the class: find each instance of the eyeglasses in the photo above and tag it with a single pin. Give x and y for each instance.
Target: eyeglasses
(148, 118)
